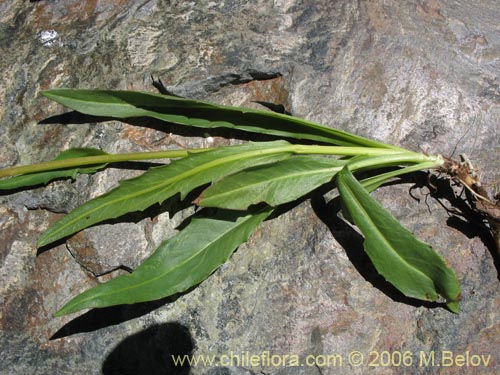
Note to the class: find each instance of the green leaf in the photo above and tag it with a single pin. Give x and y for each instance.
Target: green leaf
(273, 184)
(158, 184)
(39, 178)
(404, 261)
(292, 178)
(179, 263)
(124, 104)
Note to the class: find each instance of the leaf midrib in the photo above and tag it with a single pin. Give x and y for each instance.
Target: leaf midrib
(272, 180)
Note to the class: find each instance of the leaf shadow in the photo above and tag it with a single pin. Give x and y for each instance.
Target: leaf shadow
(96, 319)
(152, 351)
(352, 242)
(77, 118)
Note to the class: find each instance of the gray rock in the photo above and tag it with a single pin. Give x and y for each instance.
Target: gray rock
(419, 74)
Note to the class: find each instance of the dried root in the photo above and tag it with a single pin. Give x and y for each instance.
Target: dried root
(464, 174)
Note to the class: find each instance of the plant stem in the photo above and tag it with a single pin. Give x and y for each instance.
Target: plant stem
(92, 160)
(398, 158)
(372, 183)
(388, 156)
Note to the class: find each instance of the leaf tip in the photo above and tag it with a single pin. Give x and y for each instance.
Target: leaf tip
(59, 313)
(43, 241)
(65, 310)
(454, 306)
(46, 239)
(74, 305)
(48, 93)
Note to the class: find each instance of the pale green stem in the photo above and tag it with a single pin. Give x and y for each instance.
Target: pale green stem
(397, 158)
(345, 150)
(371, 183)
(409, 156)
(93, 160)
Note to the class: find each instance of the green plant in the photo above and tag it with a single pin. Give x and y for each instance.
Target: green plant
(243, 184)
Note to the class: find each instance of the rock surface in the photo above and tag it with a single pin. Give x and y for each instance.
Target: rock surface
(420, 74)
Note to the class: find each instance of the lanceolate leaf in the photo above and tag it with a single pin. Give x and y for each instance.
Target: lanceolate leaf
(158, 184)
(407, 263)
(292, 178)
(124, 104)
(178, 264)
(273, 184)
(39, 178)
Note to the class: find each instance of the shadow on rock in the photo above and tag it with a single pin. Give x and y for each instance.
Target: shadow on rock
(100, 318)
(151, 351)
(74, 117)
